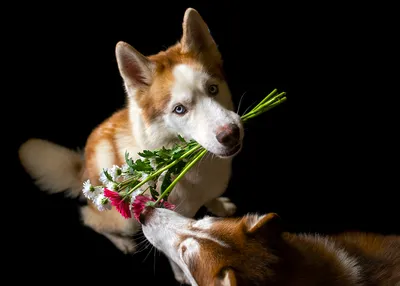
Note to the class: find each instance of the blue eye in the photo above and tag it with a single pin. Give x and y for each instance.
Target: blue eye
(180, 109)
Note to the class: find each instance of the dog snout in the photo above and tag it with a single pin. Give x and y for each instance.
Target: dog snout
(228, 135)
(145, 214)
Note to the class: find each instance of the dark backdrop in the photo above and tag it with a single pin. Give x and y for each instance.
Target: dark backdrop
(326, 160)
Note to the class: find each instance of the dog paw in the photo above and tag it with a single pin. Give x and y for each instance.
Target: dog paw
(221, 207)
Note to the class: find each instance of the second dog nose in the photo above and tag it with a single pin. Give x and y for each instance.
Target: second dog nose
(145, 214)
(228, 135)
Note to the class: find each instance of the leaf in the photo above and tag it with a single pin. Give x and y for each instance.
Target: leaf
(166, 182)
(146, 154)
(177, 168)
(153, 192)
(128, 160)
(181, 139)
(140, 165)
(177, 153)
(108, 176)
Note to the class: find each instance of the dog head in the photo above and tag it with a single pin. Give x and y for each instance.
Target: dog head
(182, 90)
(216, 251)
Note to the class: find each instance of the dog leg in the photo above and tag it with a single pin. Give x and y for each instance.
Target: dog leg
(113, 226)
(178, 273)
(221, 207)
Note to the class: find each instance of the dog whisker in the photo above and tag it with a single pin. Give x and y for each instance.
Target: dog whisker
(240, 102)
(151, 249)
(251, 105)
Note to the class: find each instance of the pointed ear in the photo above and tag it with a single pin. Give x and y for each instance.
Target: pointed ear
(269, 225)
(135, 68)
(227, 278)
(196, 35)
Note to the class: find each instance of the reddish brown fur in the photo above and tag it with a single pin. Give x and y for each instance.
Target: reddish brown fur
(117, 123)
(268, 257)
(151, 99)
(154, 98)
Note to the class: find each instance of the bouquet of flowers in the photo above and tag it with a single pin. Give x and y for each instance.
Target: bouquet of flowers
(157, 171)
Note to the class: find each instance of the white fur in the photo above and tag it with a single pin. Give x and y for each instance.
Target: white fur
(165, 229)
(53, 167)
(205, 223)
(103, 151)
(205, 113)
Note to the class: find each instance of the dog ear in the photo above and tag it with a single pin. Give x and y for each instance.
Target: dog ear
(268, 225)
(135, 68)
(196, 35)
(227, 278)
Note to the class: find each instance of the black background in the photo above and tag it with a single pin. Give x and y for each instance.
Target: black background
(326, 160)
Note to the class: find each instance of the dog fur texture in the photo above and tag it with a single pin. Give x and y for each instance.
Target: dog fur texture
(181, 90)
(255, 250)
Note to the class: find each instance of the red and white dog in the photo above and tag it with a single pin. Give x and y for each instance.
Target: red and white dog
(255, 250)
(181, 90)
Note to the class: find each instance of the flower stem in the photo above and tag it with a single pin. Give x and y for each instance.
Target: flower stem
(265, 99)
(264, 105)
(270, 101)
(264, 108)
(183, 172)
(173, 163)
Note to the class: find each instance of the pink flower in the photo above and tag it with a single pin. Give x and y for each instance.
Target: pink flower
(117, 201)
(139, 204)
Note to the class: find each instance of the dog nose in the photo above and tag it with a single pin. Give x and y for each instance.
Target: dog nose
(228, 135)
(145, 214)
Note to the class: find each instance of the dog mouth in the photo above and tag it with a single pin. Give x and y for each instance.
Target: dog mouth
(232, 152)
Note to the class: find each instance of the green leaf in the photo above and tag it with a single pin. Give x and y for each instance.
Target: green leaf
(146, 154)
(177, 168)
(108, 176)
(153, 192)
(140, 165)
(166, 182)
(181, 139)
(129, 161)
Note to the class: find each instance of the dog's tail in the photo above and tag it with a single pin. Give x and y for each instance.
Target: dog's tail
(54, 168)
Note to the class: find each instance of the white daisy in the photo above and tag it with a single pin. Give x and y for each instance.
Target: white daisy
(88, 190)
(125, 168)
(115, 172)
(111, 186)
(102, 203)
(103, 179)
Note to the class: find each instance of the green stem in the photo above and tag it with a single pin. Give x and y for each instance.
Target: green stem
(265, 98)
(260, 107)
(182, 173)
(272, 105)
(150, 177)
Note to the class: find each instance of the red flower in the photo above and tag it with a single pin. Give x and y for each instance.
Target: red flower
(117, 201)
(139, 204)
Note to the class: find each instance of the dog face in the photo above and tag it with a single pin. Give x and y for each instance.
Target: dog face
(201, 109)
(215, 251)
(183, 90)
